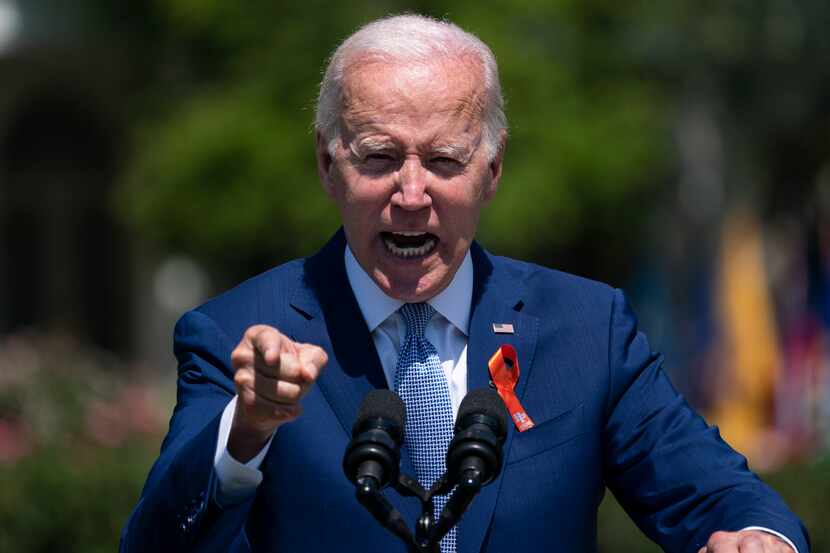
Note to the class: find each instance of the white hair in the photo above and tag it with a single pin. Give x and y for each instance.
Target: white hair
(410, 38)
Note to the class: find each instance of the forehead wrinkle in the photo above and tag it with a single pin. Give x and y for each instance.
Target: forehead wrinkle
(362, 100)
(397, 87)
(383, 133)
(436, 104)
(472, 105)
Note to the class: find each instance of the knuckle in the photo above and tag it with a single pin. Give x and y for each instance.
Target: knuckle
(720, 535)
(252, 331)
(240, 356)
(243, 379)
(288, 362)
(261, 333)
(290, 395)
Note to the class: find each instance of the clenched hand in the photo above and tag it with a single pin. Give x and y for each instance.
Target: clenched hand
(748, 541)
(273, 373)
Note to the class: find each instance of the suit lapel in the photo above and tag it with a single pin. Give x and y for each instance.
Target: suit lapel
(333, 321)
(496, 299)
(330, 317)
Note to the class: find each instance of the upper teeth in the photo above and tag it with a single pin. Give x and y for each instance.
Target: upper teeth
(409, 233)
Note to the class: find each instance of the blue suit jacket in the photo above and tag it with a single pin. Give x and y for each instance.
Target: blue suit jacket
(605, 414)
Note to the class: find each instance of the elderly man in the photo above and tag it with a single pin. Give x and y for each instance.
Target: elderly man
(410, 138)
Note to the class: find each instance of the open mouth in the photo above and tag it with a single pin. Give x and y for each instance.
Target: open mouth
(409, 244)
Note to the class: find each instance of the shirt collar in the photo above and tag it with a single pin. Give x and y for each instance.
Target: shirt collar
(453, 302)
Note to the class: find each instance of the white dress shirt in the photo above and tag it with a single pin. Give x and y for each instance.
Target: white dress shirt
(447, 331)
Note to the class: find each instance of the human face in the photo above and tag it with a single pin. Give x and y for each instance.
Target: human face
(409, 172)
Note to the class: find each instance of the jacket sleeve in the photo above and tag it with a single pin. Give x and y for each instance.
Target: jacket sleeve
(673, 473)
(176, 511)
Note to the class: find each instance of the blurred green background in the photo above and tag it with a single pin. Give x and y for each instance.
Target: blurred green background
(154, 153)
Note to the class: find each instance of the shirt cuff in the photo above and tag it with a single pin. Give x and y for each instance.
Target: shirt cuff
(237, 481)
(774, 533)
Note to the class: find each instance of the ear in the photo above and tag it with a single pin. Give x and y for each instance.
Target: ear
(325, 163)
(495, 167)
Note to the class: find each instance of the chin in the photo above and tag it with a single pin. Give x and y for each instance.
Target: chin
(409, 290)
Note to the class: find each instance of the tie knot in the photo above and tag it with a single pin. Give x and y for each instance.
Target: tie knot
(416, 316)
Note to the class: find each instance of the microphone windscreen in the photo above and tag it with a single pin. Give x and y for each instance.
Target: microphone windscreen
(484, 401)
(385, 405)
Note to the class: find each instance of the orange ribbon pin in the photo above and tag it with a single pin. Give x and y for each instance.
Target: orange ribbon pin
(504, 372)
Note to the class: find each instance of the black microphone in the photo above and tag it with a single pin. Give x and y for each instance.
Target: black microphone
(480, 429)
(372, 458)
(377, 434)
(474, 457)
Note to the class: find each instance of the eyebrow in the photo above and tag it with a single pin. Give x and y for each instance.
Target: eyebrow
(453, 150)
(461, 153)
(370, 144)
(373, 143)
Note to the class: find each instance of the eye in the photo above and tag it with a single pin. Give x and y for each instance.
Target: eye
(379, 162)
(445, 160)
(378, 156)
(446, 165)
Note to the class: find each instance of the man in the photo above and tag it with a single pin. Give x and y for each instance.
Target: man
(410, 138)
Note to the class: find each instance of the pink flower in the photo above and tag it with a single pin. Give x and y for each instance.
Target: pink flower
(132, 411)
(15, 440)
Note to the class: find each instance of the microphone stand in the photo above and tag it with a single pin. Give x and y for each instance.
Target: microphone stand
(368, 494)
(467, 488)
(421, 542)
(428, 531)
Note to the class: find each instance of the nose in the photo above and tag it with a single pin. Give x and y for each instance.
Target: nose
(411, 193)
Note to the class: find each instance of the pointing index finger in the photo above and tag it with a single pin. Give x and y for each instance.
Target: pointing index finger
(313, 359)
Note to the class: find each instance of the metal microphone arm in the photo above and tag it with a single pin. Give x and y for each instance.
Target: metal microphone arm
(468, 487)
(367, 492)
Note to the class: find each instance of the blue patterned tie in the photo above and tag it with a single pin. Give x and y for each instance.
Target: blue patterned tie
(421, 383)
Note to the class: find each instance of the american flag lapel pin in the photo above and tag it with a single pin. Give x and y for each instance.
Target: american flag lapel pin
(503, 328)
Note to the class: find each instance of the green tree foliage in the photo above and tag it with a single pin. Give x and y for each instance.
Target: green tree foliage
(226, 169)
(223, 164)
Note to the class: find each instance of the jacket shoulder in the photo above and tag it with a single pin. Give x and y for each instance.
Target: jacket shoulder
(551, 290)
(259, 299)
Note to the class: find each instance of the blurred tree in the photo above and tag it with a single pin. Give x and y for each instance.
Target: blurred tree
(606, 103)
(225, 170)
